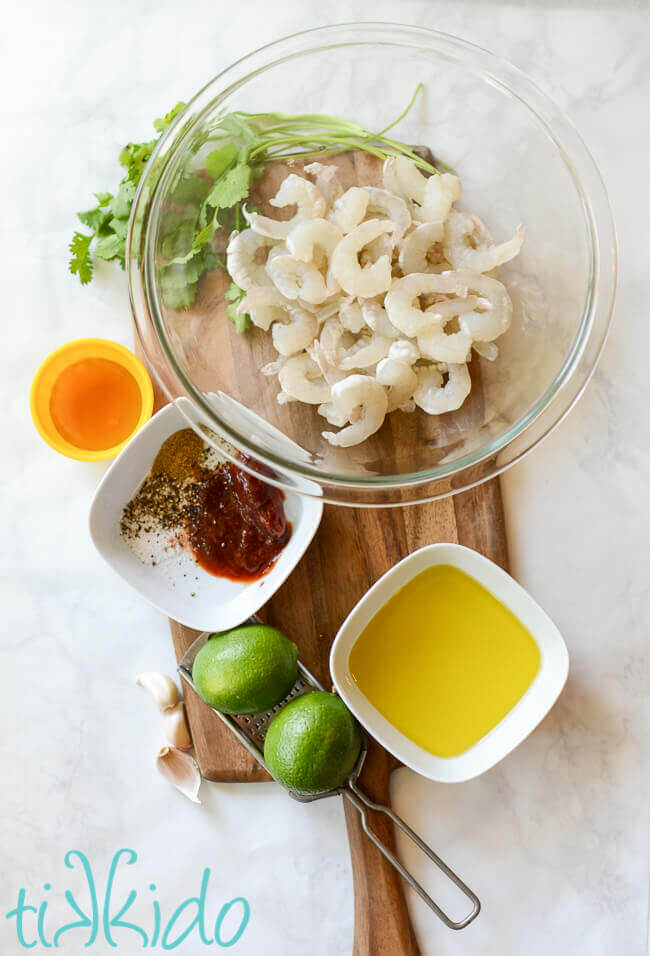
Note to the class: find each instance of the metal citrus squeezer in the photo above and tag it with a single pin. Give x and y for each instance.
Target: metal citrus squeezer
(250, 730)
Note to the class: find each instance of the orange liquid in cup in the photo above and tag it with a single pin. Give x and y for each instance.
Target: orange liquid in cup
(95, 404)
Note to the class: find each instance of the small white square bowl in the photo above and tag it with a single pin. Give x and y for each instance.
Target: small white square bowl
(177, 585)
(518, 722)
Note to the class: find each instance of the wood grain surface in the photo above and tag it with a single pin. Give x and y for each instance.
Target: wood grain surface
(351, 550)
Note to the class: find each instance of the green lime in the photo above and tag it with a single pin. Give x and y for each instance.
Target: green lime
(313, 743)
(246, 670)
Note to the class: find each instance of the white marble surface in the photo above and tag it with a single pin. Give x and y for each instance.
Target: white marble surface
(555, 840)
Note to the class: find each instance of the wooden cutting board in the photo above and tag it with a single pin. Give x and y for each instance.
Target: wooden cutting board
(351, 550)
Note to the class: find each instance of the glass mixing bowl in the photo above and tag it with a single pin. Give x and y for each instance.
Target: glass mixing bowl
(520, 161)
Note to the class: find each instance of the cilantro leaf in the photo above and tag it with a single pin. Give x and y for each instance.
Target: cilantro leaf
(103, 199)
(162, 123)
(92, 218)
(109, 247)
(233, 293)
(119, 226)
(121, 204)
(220, 159)
(81, 262)
(241, 322)
(231, 188)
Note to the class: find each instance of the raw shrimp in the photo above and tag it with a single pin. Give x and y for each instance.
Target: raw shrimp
(301, 380)
(430, 197)
(434, 397)
(241, 262)
(323, 311)
(376, 318)
(435, 343)
(327, 181)
(461, 230)
(300, 192)
(409, 317)
(381, 246)
(345, 267)
(442, 346)
(331, 340)
(265, 226)
(402, 177)
(493, 300)
(350, 208)
(487, 350)
(312, 233)
(296, 334)
(417, 247)
(330, 372)
(294, 190)
(351, 316)
(383, 203)
(362, 401)
(366, 351)
(265, 305)
(440, 193)
(397, 374)
(296, 279)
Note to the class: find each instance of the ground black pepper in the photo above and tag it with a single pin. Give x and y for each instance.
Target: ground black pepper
(246, 516)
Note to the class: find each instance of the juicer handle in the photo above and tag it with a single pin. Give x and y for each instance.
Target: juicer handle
(363, 803)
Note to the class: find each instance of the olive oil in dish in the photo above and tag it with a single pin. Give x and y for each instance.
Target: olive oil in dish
(444, 661)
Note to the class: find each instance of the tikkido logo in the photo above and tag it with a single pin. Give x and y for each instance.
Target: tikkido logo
(102, 920)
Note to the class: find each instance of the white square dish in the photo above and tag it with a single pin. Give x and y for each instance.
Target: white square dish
(176, 585)
(518, 722)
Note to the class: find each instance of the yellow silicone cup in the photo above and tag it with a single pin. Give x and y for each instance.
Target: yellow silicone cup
(48, 373)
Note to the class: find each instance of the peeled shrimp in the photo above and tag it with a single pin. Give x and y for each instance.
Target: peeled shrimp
(436, 343)
(431, 197)
(331, 340)
(327, 181)
(312, 233)
(300, 192)
(383, 203)
(351, 316)
(296, 334)
(493, 301)
(365, 282)
(241, 262)
(417, 246)
(434, 397)
(440, 193)
(265, 305)
(362, 401)
(461, 230)
(294, 190)
(350, 208)
(296, 279)
(397, 374)
(301, 380)
(399, 302)
(366, 351)
(402, 176)
(376, 318)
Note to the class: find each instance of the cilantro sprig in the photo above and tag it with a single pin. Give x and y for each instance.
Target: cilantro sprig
(109, 219)
(207, 203)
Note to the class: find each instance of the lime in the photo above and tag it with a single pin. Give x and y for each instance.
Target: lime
(246, 670)
(313, 743)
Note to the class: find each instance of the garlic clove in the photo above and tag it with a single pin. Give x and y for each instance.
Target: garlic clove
(161, 687)
(181, 770)
(176, 730)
